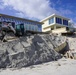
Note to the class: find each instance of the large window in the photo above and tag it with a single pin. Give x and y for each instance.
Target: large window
(58, 20)
(51, 20)
(39, 27)
(65, 22)
(32, 27)
(35, 28)
(27, 27)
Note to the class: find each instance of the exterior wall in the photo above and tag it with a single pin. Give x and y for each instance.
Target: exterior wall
(32, 26)
(59, 30)
(46, 30)
(46, 24)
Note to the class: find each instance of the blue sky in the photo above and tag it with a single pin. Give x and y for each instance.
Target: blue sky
(67, 7)
(39, 9)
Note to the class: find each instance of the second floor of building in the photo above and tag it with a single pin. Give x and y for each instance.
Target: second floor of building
(55, 20)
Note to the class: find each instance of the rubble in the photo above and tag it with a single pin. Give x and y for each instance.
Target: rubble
(30, 50)
(71, 53)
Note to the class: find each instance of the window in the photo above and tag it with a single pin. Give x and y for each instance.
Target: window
(2, 18)
(8, 19)
(31, 27)
(35, 28)
(18, 27)
(65, 22)
(51, 20)
(27, 27)
(58, 20)
(26, 22)
(39, 27)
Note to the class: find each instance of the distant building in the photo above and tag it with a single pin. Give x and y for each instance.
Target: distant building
(28, 24)
(55, 24)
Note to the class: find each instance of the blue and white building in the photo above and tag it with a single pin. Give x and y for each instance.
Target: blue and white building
(55, 24)
(28, 24)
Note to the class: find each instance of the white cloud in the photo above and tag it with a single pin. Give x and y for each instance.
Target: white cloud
(31, 8)
(20, 14)
(1, 5)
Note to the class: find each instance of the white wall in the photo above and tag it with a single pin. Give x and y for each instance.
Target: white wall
(46, 24)
(59, 30)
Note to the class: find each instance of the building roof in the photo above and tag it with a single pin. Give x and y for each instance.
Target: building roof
(53, 16)
(20, 18)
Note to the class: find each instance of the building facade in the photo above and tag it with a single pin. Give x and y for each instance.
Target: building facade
(55, 24)
(28, 24)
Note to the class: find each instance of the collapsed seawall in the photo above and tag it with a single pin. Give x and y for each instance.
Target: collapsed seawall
(30, 50)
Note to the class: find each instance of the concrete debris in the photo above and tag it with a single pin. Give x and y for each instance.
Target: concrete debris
(30, 50)
(71, 53)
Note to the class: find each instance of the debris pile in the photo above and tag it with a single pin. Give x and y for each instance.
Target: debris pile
(30, 50)
(71, 53)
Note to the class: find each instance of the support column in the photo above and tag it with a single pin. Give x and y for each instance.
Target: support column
(54, 27)
(62, 21)
(50, 28)
(54, 19)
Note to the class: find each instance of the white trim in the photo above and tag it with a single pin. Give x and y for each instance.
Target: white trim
(58, 25)
(53, 16)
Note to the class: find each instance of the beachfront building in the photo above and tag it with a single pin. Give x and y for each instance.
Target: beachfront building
(55, 24)
(29, 25)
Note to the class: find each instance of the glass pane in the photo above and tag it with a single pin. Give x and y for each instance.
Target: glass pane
(51, 20)
(65, 22)
(58, 20)
(17, 26)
